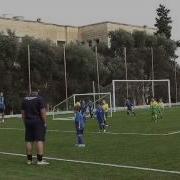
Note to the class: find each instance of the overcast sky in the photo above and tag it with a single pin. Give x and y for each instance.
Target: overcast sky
(82, 12)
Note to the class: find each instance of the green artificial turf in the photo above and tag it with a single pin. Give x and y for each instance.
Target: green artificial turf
(139, 150)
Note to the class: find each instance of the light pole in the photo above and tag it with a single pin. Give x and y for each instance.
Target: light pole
(175, 79)
(65, 75)
(29, 69)
(125, 63)
(97, 69)
(152, 67)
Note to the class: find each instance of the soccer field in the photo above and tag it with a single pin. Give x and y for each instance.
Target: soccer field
(134, 148)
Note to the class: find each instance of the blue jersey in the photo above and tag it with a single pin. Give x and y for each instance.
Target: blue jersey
(2, 102)
(129, 104)
(100, 114)
(83, 107)
(79, 121)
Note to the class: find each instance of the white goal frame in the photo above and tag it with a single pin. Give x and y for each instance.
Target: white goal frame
(141, 80)
(103, 95)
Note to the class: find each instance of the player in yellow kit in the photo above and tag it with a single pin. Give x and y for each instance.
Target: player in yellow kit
(105, 107)
(160, 109)
(154, 109)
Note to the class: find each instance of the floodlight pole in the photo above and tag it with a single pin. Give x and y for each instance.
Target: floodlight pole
(65, 75)
(152, 60)
(175, 78)
(125, 63)
(29, 69)
(97, 68)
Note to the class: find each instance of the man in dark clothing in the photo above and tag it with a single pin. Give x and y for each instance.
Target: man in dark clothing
(34, 117)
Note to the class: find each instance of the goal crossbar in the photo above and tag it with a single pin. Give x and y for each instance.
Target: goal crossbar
(140, 80)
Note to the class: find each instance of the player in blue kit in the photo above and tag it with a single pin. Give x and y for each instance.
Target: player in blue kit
(129, 105)
(2, 106)
(79, 118)
(90, 108)
(100, 118)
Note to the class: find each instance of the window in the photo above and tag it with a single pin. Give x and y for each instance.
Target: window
(97, 41)
(60, 43)
(90, 43)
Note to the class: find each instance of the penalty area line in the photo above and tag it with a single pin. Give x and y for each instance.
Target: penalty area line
(99, 164)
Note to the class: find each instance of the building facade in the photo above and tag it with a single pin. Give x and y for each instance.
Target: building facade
(60, 34)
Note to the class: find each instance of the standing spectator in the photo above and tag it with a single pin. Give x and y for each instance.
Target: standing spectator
(35, 121)
(2, 106)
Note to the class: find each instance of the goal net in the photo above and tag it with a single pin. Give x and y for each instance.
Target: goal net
(140, 92)
(64, 109)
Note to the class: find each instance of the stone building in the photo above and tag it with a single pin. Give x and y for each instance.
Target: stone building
(60, 34)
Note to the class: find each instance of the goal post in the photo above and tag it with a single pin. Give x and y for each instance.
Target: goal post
(62, 109)
(126, 81)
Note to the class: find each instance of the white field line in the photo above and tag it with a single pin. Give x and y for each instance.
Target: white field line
(111, 133)
(140, 134)
(100, 164)
(63, 119)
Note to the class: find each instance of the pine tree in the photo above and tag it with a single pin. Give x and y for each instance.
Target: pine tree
(163, 21)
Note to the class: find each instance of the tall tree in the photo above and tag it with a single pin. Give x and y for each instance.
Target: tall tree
(163, 21)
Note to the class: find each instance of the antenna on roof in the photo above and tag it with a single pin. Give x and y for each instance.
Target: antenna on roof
(38, 20)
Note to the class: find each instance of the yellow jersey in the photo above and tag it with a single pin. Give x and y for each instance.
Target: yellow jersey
(105, 107)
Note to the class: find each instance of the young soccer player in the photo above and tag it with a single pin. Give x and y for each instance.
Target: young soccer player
(105, 107)
(79, 125)
(2, 106)
(154, 109)
(100, 118)
(90, 108)
(129, 105)
(160, 108)
(83, 107)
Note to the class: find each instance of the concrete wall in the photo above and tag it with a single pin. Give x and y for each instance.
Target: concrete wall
(129, 28)
(93, 32)
(60, 34)
(40, 30)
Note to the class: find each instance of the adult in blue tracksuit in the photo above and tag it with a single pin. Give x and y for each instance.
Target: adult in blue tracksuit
(100, 118)
(79, 125)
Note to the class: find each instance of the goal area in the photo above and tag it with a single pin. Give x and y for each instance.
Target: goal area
(65, 109)
(140, 92)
